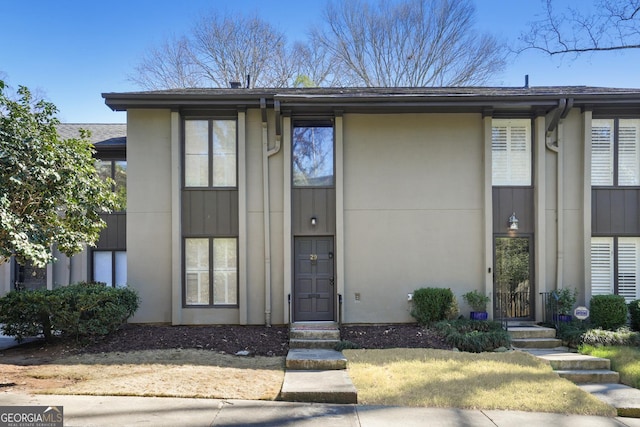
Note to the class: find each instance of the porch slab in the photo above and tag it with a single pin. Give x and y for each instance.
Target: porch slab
(318, 386)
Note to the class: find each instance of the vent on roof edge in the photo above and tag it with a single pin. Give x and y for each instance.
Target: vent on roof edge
(235, 85)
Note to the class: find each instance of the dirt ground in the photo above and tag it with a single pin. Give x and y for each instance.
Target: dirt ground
(207, 351)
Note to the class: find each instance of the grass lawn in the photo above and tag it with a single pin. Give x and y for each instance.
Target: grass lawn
(625, 360)
(164, 373)
(439, 378)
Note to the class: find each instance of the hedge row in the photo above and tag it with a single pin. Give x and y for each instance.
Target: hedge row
(78, 310)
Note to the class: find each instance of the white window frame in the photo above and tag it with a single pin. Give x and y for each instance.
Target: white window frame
(615, 152)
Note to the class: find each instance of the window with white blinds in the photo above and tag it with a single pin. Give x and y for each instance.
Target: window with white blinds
(628, 152)
(608, 138)
(601, 265)
(511, 152)
(628, 267)
(604, 258)
(602, 152)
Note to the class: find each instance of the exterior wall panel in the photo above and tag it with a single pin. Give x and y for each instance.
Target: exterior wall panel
(314, 202)
(149, 242)
(207, 212)
(615, 211)
(506, 201)
(115, 235)
(413, 196)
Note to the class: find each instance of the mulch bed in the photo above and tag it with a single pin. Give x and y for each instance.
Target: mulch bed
(257, 340)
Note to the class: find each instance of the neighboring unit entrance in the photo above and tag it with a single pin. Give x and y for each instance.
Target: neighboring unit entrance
(314, 291)
(512, 281)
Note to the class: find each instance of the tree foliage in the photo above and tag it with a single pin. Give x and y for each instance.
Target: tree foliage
(601, 25)
(358, 43)
(51, 193)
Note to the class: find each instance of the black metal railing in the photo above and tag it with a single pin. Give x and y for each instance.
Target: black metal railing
(550, 309)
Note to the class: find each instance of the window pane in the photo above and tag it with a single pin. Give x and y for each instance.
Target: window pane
(628, 267)
(103, 167)
(121, 268)
(225, 271)
(102, 267)
(602, 152)
(313, 156)
(511, 152)
(197, 271)
(601, 265)
(196, 152)
(120, 177)
(224, 153)
(628, 153)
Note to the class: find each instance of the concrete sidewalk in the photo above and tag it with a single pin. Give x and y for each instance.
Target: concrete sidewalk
(156, 411)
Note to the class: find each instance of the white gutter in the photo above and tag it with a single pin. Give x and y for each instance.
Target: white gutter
(266, 203)
(564, 106)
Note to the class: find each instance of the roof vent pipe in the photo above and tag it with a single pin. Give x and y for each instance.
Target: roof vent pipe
(526, 81)
(248, 81)
(235, 85)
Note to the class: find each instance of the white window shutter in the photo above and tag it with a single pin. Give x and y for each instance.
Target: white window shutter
(601, 265)
(511, 152)
(602, 152)
(628, 267)
(628, 152)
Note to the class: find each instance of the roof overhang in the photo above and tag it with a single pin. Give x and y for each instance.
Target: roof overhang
(535, 100)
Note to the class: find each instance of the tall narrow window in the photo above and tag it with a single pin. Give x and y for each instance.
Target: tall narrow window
(628, 152)
(313, 156)
(602, 152)
(110, 267)
(628, 251)
(511, 152)
(601, 265)
(196, 153)
(197, 271)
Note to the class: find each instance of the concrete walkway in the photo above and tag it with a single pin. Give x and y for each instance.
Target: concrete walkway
(92, 411)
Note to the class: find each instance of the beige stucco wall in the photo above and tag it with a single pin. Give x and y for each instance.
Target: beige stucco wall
(413, 202)
(149, 263)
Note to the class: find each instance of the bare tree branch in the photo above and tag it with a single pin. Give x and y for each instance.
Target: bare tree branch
(611, 25)
(410, 43)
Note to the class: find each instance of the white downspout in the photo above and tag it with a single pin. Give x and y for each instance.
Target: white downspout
(266, 203)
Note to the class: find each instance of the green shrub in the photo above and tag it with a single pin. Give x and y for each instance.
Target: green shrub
(474, 336)
(571, 333)
(433, 304)
(599, 337)
(79, 310)
(608, 311)
(634, 311)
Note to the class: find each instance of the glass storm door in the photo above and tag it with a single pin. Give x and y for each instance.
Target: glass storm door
(512, 280)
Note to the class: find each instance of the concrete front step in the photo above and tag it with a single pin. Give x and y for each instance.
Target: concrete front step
(311, 344)
(318, 387)
(315, 359)
(572, 361)
(591, 376)
(524, 332)
(525, 343)
(314, 335)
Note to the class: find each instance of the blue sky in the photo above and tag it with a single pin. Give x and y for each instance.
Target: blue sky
(71, 51)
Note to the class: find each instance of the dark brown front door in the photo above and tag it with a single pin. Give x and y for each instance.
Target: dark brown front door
(314, 282)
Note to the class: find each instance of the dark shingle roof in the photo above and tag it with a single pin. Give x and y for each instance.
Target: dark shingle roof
(103, 135)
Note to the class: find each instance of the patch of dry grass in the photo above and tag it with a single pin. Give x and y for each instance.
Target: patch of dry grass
(439, 378)
(166, 373)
